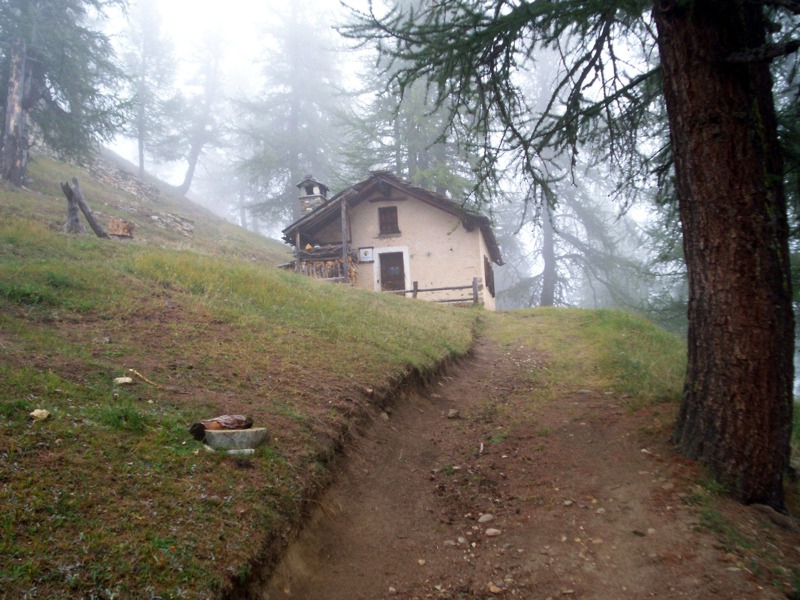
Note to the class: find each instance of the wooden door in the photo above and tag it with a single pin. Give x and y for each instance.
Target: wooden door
(393, 275)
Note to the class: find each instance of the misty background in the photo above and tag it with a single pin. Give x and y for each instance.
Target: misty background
(234, 105)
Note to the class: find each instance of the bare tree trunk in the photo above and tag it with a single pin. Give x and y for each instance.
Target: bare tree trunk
(14, 157)
(548, 257)
(737, 402)
(242, 211)
(194, 156)
(73, 223)
(140, 143)
(75, 196)
(398, 153)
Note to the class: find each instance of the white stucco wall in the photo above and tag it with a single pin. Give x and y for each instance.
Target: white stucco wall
(438, 250)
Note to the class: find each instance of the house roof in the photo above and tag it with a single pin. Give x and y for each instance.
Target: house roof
(383, 182)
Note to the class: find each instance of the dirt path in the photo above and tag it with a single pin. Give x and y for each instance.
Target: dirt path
(587, 498)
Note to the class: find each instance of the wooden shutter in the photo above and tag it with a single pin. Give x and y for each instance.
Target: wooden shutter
(387, 218)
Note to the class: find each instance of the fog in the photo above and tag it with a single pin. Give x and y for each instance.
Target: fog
(243, 28)
(242, 68)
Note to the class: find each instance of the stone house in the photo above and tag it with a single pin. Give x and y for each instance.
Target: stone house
(385, 234)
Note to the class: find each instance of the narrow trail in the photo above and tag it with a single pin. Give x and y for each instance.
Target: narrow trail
(587, 500)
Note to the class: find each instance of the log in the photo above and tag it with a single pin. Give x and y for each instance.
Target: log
(120, 228)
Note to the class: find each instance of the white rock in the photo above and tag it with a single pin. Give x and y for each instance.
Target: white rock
(123, 380)
(39, 414)
(485, 518)
(492, 532)
(236, 439)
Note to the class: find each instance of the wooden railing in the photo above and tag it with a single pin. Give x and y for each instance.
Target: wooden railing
(476, 286)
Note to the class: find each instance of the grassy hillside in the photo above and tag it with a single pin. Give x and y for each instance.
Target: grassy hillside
(110, 496)
(162, 220)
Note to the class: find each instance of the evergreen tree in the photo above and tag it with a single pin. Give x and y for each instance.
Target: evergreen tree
(290, 130)
(55, 77)
(712, 68)
(199, 117)
(410, 138)
(577, 251)
(149, 61)
(668, 290)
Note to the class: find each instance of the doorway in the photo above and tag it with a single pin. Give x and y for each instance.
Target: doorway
(393, 275)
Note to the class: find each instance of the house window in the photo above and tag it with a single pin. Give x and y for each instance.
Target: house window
(387, 219)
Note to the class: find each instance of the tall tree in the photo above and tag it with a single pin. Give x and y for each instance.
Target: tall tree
(290, 129)
(57, 73)
(723, 122)
(577, 251)
(149, 61)
(714, 69)
(199, 117)
(410, 138)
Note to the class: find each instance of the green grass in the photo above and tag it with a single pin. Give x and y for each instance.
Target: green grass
(124, 417)
(110, 496)
(618, 353)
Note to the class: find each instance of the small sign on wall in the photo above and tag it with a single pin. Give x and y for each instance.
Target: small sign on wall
(365, 255)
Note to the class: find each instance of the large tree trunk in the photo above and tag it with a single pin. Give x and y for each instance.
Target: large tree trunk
(14, 140)
(737, 402)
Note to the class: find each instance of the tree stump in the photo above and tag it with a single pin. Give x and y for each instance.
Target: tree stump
(75, 197)
(73, 223)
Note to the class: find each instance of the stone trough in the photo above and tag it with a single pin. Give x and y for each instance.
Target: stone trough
(237, 441)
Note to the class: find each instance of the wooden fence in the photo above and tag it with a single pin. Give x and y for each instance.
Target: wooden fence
(476, 286)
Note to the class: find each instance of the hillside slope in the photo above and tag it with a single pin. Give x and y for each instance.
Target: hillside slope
(110, 496)
(160, 219)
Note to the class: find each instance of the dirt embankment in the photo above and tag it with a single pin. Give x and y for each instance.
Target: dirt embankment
(464, 491)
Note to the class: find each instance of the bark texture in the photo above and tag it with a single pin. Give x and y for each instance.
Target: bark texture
(737, 403)
(73, 223)
(14, 140)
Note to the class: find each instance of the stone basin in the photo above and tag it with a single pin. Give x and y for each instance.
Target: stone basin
(236, 439)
